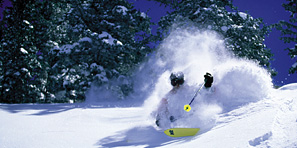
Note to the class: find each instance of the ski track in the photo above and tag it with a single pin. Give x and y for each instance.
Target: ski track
(244, 111)
(284, 128)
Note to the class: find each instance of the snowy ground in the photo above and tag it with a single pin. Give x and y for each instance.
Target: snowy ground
(241, 109)
(266, 123)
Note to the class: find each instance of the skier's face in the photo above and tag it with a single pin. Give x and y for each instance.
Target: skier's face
(174, 82)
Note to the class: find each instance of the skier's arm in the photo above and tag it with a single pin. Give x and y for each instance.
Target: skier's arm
(163, 105)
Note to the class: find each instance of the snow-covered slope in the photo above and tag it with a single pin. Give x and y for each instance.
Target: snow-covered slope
(57, 126)
(240, 110)
(289, 87)
(266, 123)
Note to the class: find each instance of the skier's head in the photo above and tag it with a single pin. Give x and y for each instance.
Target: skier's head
(177, 78)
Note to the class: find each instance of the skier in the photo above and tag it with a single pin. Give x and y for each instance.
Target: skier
(177, 81)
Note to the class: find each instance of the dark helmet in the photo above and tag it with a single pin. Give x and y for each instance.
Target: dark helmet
(177, 78)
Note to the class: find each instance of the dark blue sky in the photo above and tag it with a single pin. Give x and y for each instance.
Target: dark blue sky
(270, 10)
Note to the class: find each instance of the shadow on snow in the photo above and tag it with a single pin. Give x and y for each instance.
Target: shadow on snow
(46, 109)
(146, 136)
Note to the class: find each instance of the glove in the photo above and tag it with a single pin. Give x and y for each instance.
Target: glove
(208, 79)
(172, 119)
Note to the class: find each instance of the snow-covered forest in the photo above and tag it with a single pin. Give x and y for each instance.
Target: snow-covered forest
(55, 51)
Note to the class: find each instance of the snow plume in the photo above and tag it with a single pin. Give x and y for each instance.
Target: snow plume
(112, 93)
(237, 82)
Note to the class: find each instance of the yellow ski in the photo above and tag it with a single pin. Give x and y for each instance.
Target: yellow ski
(181, 132)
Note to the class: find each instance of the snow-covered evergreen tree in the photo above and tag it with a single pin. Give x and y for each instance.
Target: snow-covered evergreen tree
(103, 45)
(243, 34)
(20, 63)
(54, 13)
(289, 30)
(55, 50)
